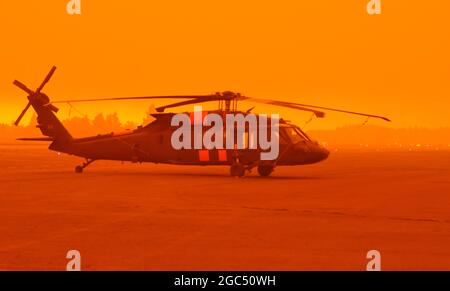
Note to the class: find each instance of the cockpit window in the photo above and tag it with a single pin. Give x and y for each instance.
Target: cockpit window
(296, 134)
(302, 133)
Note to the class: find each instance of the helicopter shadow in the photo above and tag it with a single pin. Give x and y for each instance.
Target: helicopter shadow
(209, 175)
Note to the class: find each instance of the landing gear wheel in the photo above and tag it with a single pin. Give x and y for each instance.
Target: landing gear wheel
(265, 170)
(237, 170)
(79, 169)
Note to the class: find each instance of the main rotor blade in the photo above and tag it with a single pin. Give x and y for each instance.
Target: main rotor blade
(188, 102)
(220, 97)
(302, 107)
(317, 113)
(22, 114)
(344, 111)
(135, 98)
(49, 76)
(23, 87)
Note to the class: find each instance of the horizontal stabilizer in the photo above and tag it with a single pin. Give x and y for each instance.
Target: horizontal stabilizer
(36, 139)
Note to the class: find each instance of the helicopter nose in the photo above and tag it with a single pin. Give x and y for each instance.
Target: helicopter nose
(322, 153)
(310, 152)
(317, 153)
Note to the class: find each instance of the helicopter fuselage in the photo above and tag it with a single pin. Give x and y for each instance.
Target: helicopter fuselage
(152, 143)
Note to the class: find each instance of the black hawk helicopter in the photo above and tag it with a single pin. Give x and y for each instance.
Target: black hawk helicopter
(152, 142)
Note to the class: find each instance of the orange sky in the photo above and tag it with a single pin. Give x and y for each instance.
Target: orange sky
(326, 52)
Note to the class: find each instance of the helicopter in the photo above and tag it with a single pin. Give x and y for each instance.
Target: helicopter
(152, 142)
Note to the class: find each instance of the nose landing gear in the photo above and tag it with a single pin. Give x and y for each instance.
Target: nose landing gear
(79, 169)
(265, 170)
(238, 170)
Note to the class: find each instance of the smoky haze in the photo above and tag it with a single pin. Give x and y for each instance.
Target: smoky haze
(364, 137)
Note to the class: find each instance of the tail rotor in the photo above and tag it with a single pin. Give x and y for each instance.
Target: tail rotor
(36, 97)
